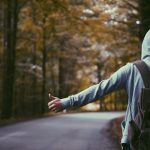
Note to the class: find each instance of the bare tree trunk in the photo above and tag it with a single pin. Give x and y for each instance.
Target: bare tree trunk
(44, 69)
(61, 77)
(10, 29)
(53, 77)
(34, 83)
(34, 59)
(101, 102)
(62, 69)
(144, 7)
(115, 101)
(111, 101)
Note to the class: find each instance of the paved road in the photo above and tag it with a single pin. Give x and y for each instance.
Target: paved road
(81, 131)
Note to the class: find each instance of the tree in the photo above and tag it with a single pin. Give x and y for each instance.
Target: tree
(64, 46)
(144, 8)
(10, 31)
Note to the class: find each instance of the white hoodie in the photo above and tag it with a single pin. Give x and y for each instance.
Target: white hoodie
(127, 77)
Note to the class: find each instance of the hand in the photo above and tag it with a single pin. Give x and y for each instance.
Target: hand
(55, 104)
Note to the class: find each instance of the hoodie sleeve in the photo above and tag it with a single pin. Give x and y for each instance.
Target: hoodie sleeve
(114, 82)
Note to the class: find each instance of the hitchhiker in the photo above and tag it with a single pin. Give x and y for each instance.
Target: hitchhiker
(127, 77)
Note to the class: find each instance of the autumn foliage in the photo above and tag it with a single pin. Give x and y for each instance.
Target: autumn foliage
(62, 47)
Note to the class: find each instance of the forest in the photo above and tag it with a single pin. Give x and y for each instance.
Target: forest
(63, 47)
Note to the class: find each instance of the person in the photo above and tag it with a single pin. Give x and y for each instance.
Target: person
(127, 77)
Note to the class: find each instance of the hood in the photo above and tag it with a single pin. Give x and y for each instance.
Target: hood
(146, 47)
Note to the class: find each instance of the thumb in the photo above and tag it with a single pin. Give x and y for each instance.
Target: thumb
(51, 97)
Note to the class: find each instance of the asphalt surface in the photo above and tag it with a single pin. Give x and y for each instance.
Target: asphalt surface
(81, 131)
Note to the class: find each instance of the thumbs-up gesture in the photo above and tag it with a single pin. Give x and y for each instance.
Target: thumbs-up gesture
(54, 104)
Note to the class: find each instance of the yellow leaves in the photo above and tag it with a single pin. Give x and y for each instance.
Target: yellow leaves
(96, 9)
(91, 107)
(26, 10)
(84, 82)
(54, 15)
(28, 25)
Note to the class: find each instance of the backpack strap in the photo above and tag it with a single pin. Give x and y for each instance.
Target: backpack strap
(145, 74)
(144, 71)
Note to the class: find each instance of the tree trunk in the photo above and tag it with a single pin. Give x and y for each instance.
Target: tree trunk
(144, 6)
(61, 78)
(10, 30)
(34, 82)
(101, 102)
(62, 68)
(44, 69)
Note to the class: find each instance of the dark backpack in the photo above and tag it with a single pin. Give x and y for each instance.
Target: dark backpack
(139, 127)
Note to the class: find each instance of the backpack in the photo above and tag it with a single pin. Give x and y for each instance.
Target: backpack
(139, 126)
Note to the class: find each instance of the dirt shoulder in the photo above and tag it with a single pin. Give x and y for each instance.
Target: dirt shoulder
(115, 129)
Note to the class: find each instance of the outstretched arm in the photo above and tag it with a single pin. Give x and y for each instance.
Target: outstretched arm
(114, 82)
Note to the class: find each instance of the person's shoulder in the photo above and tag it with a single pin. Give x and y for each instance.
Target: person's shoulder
(128, 66)
(126, 69)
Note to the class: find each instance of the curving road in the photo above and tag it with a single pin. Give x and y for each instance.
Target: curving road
(81, 131)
